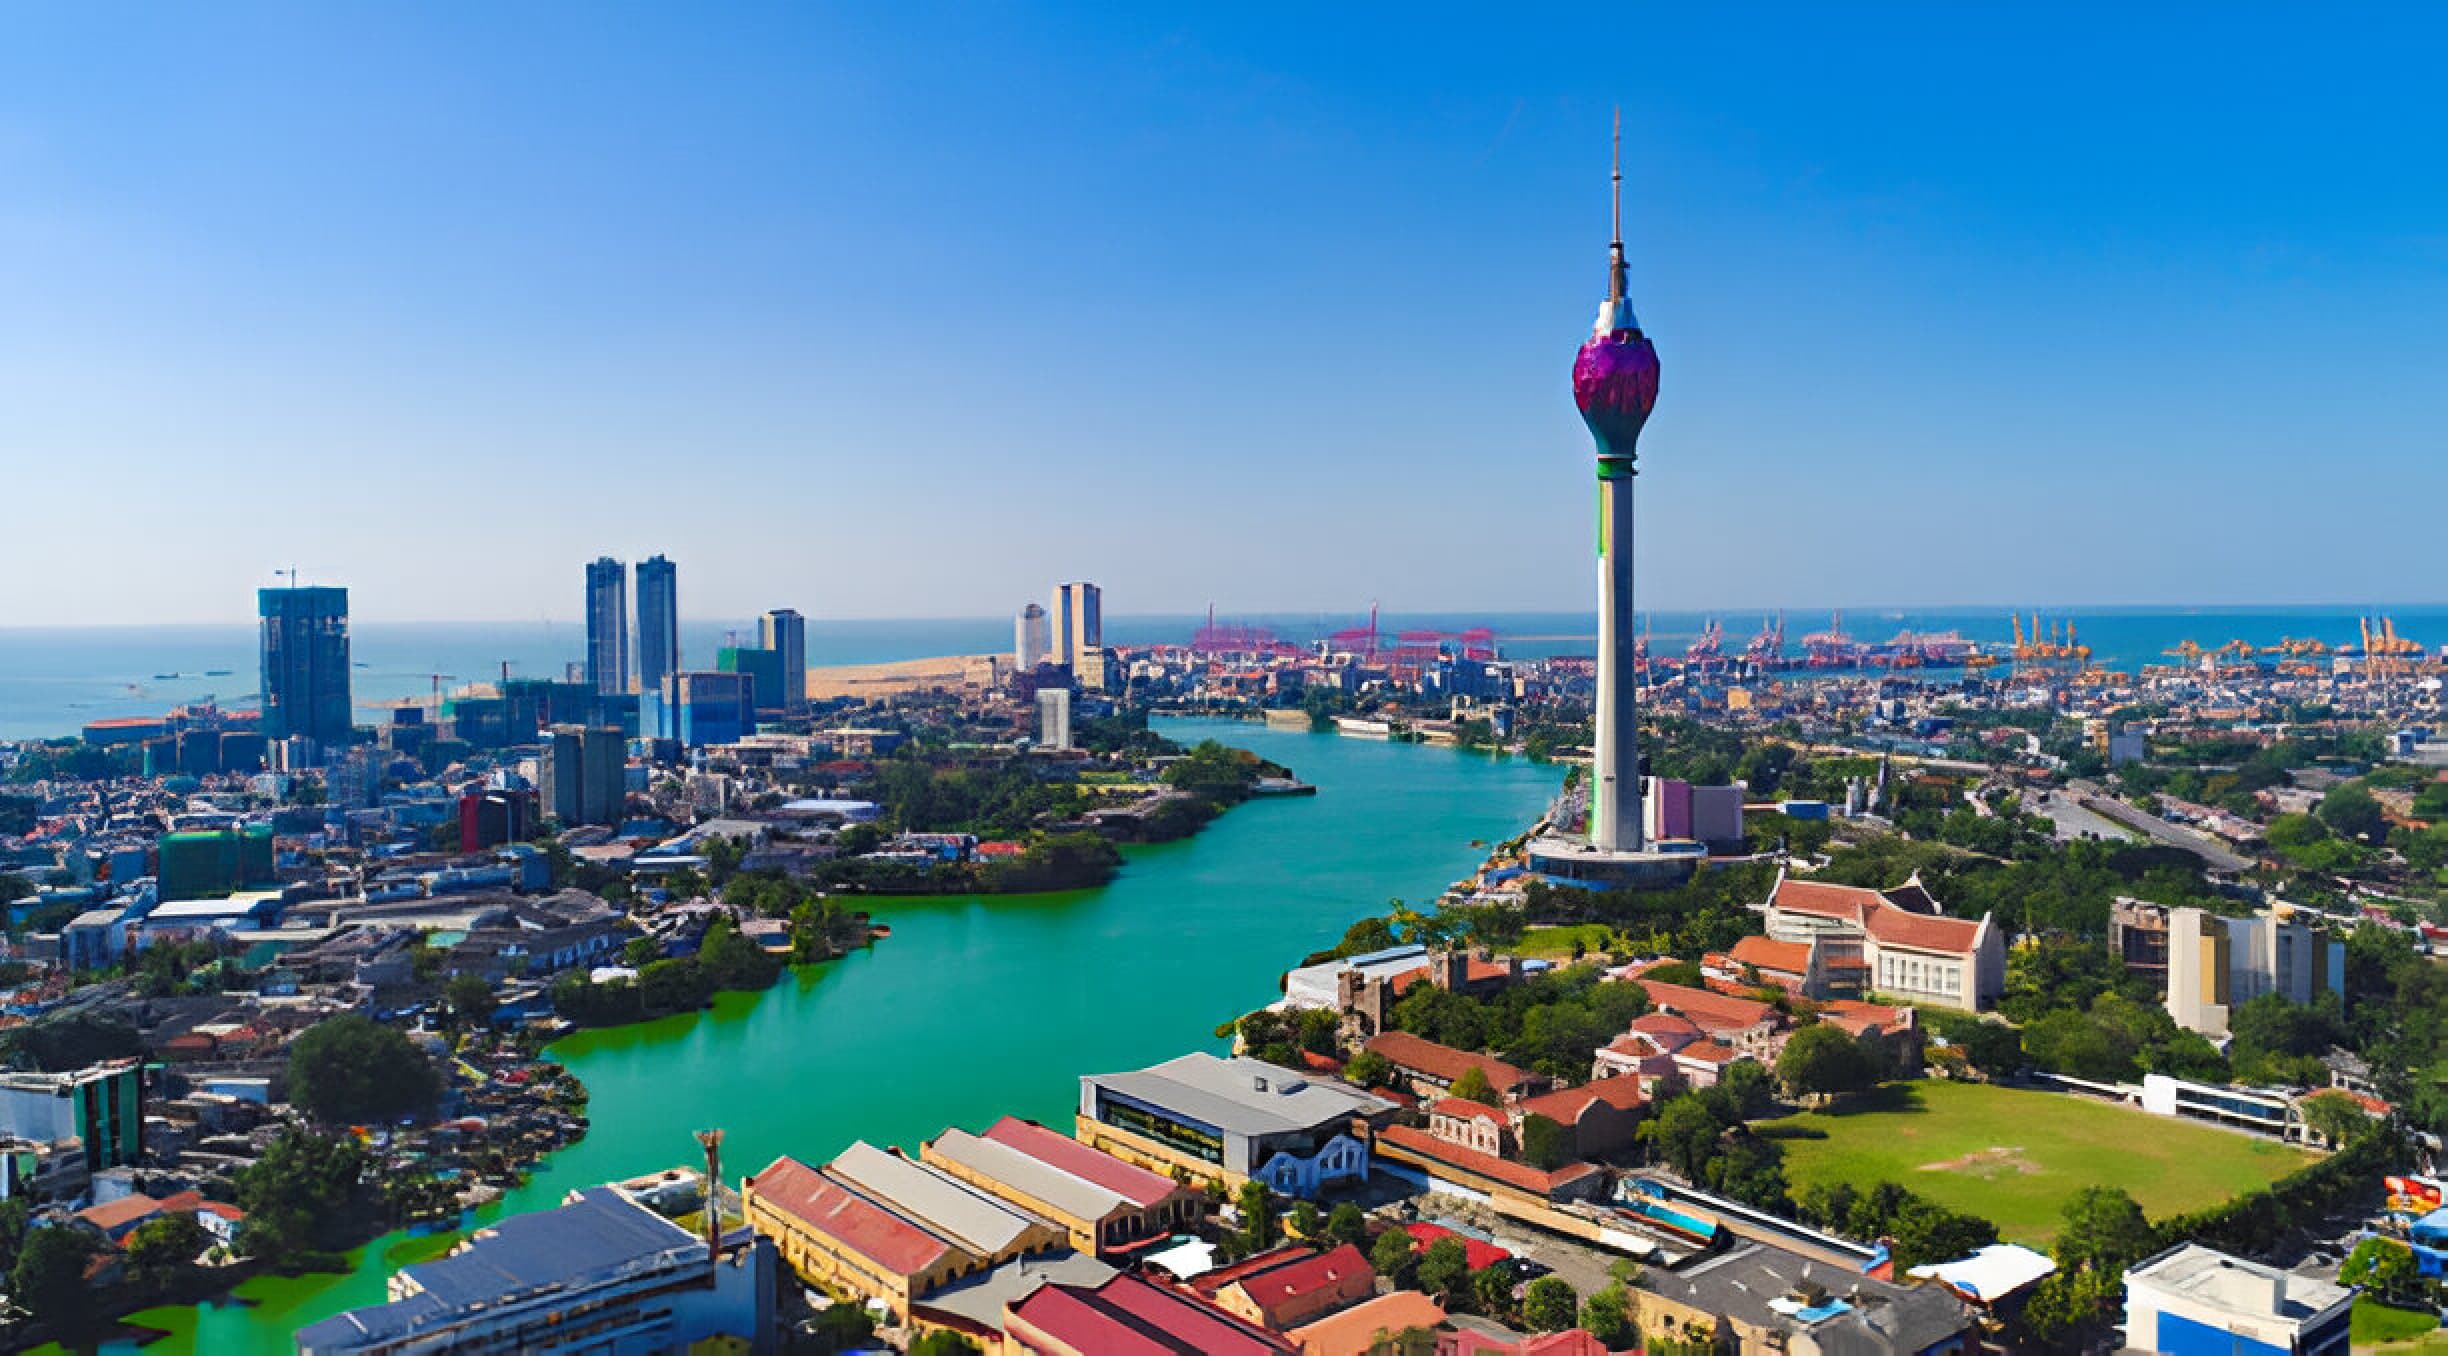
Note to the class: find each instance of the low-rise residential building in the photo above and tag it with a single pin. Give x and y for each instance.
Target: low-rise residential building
(1431, 1069)
(1354, 1331)
(1131, 1314)
(2192, 1299)
(601, 1274)
(1302, 1289)
(1231, 1120)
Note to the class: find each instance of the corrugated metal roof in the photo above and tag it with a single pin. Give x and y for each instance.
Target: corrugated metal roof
(1030, 1177)
(969, 1217)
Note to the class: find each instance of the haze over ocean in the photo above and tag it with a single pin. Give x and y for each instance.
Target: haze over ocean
(55, 679)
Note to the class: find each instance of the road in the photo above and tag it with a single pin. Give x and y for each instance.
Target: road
(2073, 821)
(2202, 845)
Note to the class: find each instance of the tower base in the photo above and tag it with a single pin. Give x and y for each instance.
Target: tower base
(1575, 859)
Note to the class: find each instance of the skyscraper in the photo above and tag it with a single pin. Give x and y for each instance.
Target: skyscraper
(607, 618)
(1615, 383)
(305, 664)
(784, 632)
(658, 625)
(1079, 632)
(1032, 638)
(582, 771)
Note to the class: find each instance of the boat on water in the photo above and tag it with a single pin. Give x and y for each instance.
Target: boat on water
(1361, 727)
(216, 673)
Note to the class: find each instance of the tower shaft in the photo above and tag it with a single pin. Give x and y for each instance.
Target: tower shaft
(1615, 787)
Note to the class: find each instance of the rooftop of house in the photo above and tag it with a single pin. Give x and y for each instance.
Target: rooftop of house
(1130, 1316)
(1770, 956)
(1444, 1063)
(1518, 1175)
(1714, 1013)
(1355, 1329)
(1565, 1105)
(1778, 1291)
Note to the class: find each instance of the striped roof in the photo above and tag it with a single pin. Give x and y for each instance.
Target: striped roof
(1055, 1149)
(833, 1211)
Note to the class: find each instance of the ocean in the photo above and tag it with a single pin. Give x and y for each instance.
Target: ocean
(55, 679)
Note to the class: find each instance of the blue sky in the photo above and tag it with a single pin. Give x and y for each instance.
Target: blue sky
(910, 310)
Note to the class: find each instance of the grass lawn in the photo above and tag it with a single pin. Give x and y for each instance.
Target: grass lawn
(2376, 1323)
(2013, 1157)
(1556, 943)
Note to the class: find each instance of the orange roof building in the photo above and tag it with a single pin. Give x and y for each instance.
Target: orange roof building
(1896, 941)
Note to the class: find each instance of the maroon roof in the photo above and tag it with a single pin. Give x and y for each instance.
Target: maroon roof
(1057, 1150)
(1443, 1062)
(828, 1208)
(1132, 1316)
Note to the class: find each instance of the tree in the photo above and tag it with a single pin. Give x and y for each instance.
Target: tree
(1491, 1290)
(298, 1190)
(1305, 1220)
(2335, 1116)
(1545, 1143)
(1445, 1268)
(1549, 1304)
(50, 1274)
(1824, 1060)
(2104, 1228)
(941, 1343)
(843, 1326)
(1684, 1135)
(348, 1070)
(2384, 1266)
(159, 1248)
(1607, 1316)
(1395, 1257)
(1346, 1224)
(2351, 812)
(1259, 1229)
(15, 1218)
(470, 999)
(1473, 1086)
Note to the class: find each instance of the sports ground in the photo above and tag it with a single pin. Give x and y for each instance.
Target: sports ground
(2013, 1156)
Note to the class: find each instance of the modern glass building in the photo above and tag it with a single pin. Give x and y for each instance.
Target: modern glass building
(658, 624)
(305, 663)
(764, 669)
(607, 618)
(784, 632)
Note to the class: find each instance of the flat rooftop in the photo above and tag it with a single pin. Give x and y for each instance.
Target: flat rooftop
(2210, 1277)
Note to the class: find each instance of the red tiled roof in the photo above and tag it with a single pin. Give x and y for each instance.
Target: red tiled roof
(832, 1210)
(1465, 1107)
(1707, 1052)
(1518, 1175)
(1443, 1062)
(1715, 1013)
(1283, 1254)
(1475, 1251)
(1849, 902)
(1134, 1184)
(1353, 1331)
(1855, 1017)
(1565, 1105)
(1307, 1276)
(1665, 1024)
(112, 1216)
(1770, 956)
(1132, 1316)
(1952, 936)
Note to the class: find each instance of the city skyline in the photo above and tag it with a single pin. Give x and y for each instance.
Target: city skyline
(1988, 340)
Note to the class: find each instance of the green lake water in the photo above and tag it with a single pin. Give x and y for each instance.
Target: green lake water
(977, 1007)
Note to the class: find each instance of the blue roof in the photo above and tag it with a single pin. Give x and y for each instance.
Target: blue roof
(600, 1235)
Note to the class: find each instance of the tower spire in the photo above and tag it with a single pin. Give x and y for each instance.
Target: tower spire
(1615, 254)
(1616, 316)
